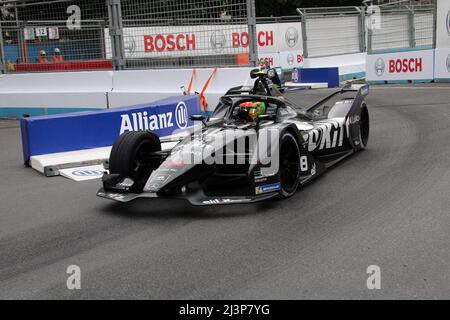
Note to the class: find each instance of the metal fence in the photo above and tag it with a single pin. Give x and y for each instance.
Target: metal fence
(139, 34)
(332, 31)
(346, 30)
(125, 34)
(402, 27)
(36, 35)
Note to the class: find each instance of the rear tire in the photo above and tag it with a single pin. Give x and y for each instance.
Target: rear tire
(126, 156)
(364, 128)
(289, 166)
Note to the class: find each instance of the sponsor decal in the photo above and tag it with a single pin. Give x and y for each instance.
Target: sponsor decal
(259, 177)
(181, 115)
(225, 201)
(264, 38)
(380, 67)
(173, 164)
(169, 42)
(326, 135)
(448, 63)
(129, 45)
(290, 59)
(115, 196)
(448, 22)
(87, 173)
(291, 37)
(142, 121)
(412, 65)
(268, 188)
(313, 170)
(354, 119)
(217, 41)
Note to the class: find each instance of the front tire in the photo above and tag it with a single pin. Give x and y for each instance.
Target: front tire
(289, 166)
(127, 156)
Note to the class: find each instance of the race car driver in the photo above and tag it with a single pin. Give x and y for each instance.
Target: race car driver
(251, 110)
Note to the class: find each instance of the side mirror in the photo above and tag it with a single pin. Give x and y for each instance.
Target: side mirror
(254, 73)
(266, 117)
(196, 117)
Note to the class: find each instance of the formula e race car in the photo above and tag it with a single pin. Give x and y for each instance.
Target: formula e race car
(256, 145)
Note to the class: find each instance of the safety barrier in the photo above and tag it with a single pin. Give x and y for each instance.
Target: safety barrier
(65, 66)
(413, 64)
(401, 66)
(330, 76)
(87, 130)
(54, 93)
(134, 87)
(51, 93)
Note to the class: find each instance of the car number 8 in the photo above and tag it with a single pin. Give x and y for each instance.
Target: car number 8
(304, 163)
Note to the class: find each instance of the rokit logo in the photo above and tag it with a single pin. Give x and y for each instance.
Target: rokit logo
(326, 135)
(142, 121)
(380, 67)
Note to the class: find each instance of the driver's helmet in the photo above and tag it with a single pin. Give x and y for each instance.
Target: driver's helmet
(253, 109)
(263, 63)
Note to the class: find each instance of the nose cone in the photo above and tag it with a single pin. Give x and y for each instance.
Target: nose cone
(195, 157)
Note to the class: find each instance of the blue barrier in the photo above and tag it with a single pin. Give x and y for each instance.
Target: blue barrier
(317, 75)
(95, 129)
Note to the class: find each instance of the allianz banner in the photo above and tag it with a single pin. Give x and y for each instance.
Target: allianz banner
(95, 129)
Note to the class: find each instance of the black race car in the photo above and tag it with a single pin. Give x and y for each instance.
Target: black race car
(256, 145)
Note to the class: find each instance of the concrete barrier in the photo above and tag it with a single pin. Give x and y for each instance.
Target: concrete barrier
(134, 87)
(53, 93)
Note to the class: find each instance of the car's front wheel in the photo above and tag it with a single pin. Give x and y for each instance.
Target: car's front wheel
(128, 158)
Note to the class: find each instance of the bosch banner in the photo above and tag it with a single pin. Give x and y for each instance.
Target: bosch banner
(95, 129)
(412, 65)
(182, 41)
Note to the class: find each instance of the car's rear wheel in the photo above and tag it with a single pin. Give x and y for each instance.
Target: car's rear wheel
(128, 156)
(364, 127)
(289, 165)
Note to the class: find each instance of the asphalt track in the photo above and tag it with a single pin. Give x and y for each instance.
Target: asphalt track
(388, 206)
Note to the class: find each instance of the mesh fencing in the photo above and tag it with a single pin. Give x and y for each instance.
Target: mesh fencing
(140, 34)
(403, 27)
(54, 35)
(125, 34)
(347, 30)
(185, 33)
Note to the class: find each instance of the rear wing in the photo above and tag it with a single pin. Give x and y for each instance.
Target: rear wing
(360, 92)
